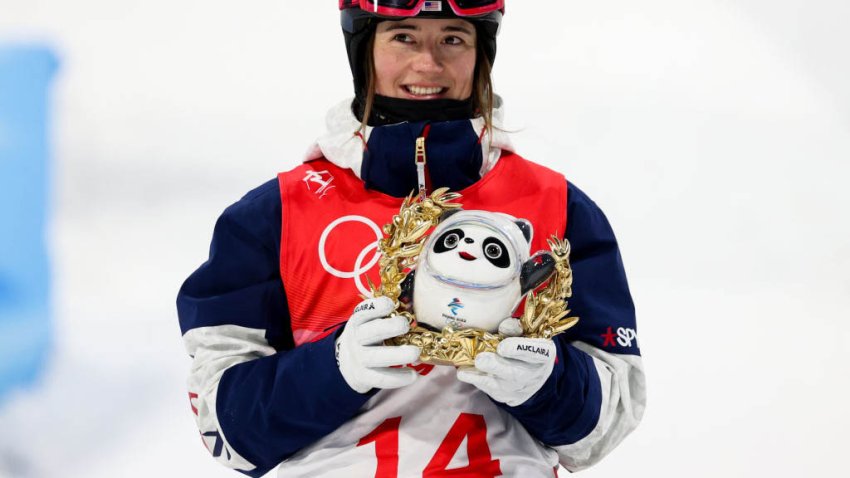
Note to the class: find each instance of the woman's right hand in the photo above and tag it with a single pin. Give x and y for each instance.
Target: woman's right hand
(363, 359)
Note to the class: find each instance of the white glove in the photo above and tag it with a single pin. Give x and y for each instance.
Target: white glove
(361, 356)
(516, 372)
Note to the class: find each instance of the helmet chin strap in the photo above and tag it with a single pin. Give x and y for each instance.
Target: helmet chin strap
(386, 110)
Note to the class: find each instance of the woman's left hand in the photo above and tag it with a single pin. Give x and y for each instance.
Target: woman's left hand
(517, 370)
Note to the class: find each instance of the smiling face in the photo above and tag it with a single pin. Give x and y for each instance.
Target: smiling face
(425, 59)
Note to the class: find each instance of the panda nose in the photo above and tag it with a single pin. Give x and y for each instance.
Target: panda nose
(468, 240)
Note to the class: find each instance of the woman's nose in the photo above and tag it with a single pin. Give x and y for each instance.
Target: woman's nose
(428, 60)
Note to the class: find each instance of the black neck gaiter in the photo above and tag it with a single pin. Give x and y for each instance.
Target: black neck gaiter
(386, 111)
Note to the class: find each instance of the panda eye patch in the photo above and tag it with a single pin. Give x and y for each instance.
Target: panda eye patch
(448, 240)
(495, 252)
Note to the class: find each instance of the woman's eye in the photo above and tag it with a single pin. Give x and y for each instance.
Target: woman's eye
(402, 37)
(493, 251)
(454, 41)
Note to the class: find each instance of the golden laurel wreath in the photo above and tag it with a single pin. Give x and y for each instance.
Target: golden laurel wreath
(544, 315)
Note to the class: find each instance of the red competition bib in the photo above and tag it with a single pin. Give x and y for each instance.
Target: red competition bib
(332, 224)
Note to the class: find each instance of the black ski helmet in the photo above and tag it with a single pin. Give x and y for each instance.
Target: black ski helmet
(359, 17)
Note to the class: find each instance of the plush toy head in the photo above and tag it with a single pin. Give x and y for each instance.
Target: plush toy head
(478, 249)
(474, 270)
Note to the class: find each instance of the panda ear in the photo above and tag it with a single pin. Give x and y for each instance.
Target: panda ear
(526, 229)
(449, 213)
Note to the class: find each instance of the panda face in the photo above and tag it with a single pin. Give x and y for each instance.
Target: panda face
(492, 248)
(473, 253)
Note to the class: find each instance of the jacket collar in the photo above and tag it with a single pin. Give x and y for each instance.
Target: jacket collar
(343, 146)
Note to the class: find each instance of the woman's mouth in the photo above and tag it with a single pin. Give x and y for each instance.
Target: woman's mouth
(424, 92)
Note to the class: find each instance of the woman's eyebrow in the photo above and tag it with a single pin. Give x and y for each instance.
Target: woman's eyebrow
(460, 29)
(400, 26)
(406, 26)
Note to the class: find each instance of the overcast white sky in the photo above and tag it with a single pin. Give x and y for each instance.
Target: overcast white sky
(715, 135)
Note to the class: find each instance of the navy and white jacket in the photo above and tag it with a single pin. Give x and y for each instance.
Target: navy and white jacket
(259, 400)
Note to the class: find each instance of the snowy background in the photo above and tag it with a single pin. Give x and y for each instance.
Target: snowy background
(714, 133)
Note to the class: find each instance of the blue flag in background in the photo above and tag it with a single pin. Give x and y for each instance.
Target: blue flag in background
(25, 76)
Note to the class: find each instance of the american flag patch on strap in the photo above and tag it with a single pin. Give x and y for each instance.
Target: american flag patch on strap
(432, 7)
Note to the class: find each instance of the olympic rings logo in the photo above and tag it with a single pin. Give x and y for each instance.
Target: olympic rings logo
(359, 267)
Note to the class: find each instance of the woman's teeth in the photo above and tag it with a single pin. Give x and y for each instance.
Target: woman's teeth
(424, 91)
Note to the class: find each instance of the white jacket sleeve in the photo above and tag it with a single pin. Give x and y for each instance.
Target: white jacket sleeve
(623, 402)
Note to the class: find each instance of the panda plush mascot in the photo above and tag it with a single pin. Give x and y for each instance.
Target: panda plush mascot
(474, 270)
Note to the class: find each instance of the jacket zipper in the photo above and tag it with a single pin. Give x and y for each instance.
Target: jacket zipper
(422, 162)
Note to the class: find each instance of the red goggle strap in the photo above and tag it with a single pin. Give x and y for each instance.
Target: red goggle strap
(412, 8)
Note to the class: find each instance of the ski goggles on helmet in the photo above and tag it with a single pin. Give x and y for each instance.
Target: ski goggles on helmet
(412, 8)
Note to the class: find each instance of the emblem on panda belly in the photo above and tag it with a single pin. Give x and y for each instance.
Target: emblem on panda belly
(468, 275)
